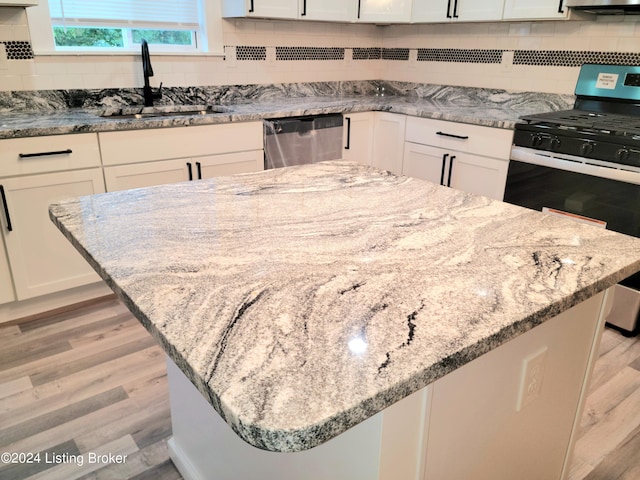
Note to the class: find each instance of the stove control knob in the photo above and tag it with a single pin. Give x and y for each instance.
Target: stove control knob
(536, 140)
(622, 154)
(586, 149)
(555, 143)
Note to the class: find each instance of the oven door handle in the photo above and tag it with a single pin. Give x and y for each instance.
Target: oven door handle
(571, 163)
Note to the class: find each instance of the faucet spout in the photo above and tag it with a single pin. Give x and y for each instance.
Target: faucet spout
(147, 70)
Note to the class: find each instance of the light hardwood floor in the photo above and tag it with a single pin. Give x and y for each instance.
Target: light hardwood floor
(94, 381)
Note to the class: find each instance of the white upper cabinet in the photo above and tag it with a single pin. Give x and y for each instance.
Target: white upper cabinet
(384, 11)
(475, 11)
(260, 8)
(328, 10)
(18, 3)
(534, 9)
(442, 11)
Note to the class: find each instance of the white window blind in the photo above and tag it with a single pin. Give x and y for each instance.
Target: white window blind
(127, 13)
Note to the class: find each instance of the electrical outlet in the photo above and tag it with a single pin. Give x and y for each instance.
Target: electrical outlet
(531, 378)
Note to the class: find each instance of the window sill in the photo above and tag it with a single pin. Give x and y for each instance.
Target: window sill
(129, 53)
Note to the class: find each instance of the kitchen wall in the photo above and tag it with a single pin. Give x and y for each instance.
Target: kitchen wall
(535, 56)
(530, 56)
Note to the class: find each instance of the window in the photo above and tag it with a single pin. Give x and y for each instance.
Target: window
(110, 26)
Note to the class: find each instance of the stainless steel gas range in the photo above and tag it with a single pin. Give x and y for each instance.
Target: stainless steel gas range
(585, 163)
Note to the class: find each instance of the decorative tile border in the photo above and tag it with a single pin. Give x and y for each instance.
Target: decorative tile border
(251, 53)
(309, 53)
(459, 55)
(395, 54)
(17, 50)
(369, 53)
(562, 58)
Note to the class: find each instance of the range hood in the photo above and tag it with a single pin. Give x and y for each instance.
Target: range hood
(606, 7)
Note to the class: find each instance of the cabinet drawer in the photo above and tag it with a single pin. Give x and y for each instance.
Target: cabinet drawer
(135, 146)
(23, 156)
(486, 141)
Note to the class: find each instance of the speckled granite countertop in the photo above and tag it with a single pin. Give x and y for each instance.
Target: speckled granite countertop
(48, 115)
(301, 301)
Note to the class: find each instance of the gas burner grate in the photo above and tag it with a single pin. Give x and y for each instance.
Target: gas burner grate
(583, 120)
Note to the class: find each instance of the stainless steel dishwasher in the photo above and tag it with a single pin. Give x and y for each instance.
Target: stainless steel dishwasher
(301, 140)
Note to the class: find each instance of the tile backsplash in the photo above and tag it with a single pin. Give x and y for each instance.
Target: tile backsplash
(535, 56)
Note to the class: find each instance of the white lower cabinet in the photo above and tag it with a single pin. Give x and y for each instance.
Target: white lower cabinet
(7, 294)
(358, 137)
(388, 141)
(42, 261)
(460, 170)
(471, 158)
(124, 177)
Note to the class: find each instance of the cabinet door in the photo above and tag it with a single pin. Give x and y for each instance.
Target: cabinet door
(124, 177)
(358, 137)
(388, 141)
(332, 10)
(427, 163)
(229, 164)
(432, 11)
(534, 9)
(389, 11)
(475, 11)
(479, 175)
(6, 283)
(260, 8)
(42, 260)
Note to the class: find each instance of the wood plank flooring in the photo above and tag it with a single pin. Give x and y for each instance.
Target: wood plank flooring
(94, 381)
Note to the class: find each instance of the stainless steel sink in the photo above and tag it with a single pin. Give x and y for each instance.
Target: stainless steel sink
(163, 111)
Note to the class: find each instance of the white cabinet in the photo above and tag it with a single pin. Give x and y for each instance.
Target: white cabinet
(7, 293)
(124, 177)
(534, 10)
(260, 8)
(456, 10)
(42, 260)
(471, 158)
(385, 11)
(35, 172)
(329, 10)
(138, 146)
(142, 158)
(459, 170)
(388, 141)
(18, 3)
(358, 137)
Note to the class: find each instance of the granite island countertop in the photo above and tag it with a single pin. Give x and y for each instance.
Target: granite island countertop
(301, 301)
(488, 107)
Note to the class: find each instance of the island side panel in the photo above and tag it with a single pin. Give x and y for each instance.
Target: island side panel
(475, 428)
(203, 446)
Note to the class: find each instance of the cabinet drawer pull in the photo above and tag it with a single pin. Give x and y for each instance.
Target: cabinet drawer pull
(444, 162)
(6, 209)
(199, 167)
(45, 154)
(461, 137)
(348, 145)
(453, 157)
(455, 9)
(190, 171)
(304, 8)
(359, 8)
(560, 10)
(449, 9)
(251, 7)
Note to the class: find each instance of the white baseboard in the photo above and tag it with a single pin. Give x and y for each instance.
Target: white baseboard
(13, 311)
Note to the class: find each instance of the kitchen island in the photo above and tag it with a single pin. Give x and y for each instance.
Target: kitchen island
(379, 326)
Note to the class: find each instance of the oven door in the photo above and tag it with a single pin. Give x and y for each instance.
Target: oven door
(538, 179)
(589, 190)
